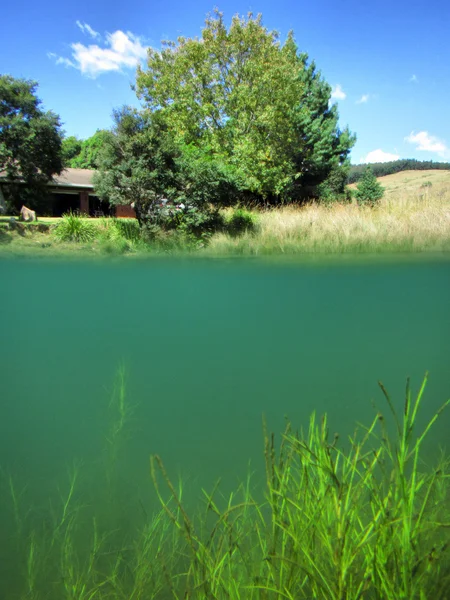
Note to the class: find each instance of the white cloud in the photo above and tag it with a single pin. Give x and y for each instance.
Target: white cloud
(338, 93)
(59, 60)
(85, 28)
(428, 143)
(379, 156)
(414, 79)
(364, 98)
(119, 50)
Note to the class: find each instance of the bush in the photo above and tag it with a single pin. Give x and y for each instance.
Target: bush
(194, 223)
(74, 228)
(369, 190)
(333, 188)
(241, 221)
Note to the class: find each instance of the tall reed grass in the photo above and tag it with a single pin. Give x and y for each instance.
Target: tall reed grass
(413, 221)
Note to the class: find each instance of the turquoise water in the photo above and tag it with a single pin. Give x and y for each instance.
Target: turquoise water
(208, 348)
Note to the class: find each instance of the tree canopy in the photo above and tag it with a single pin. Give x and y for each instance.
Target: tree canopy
(84, 154)
(30, 138)
(241, 96)
(71, 147)
(169, 185)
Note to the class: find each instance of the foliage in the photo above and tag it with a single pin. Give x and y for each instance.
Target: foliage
(34, 194)
(241, 221)
(138, 163)
(395, 166)
(334, 187)
(90, 149)
(71, 147)
(73, 228)
(208, 178)
(30, 142)
(170, 186)
(255, 104)
(369, 190)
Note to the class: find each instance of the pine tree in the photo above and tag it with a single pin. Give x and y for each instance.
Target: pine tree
(369, 190)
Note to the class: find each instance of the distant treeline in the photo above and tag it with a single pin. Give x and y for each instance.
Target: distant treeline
(395, 166)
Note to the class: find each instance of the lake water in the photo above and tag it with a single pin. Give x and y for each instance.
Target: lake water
(208, 348)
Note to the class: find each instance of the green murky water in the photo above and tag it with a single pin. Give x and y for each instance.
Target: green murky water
(208, 347)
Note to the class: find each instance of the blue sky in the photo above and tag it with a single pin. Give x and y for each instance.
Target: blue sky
(388, 62)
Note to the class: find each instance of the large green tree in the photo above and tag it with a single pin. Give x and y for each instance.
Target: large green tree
(242, 96)
(169, 185)
(30, 141)
(137, 162)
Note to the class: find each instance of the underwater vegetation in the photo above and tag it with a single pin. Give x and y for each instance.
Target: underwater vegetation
(347, 519)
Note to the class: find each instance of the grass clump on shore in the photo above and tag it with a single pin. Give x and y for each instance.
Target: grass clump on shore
(73, 228)
(360, 519)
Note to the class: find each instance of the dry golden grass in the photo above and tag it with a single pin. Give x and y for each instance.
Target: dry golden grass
(412, 181)
(413, 220)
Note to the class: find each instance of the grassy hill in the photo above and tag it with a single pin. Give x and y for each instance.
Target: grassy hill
(409, 182)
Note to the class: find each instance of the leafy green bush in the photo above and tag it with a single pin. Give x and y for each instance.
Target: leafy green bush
(333, 188)
(74, 228)
(195, 224)
(369, 191)
(241, 221)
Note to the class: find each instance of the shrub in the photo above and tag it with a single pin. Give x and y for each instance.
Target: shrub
(333, 188)
(241, 221)
(369, 190)
(194, 223)
(74, 228)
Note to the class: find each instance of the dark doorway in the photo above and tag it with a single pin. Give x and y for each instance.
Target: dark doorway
(63, 203)
(99, 208)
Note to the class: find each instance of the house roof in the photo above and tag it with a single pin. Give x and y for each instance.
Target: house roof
(69, 178)
(80, 178)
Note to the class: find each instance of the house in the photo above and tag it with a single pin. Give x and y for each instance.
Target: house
(74, 190)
